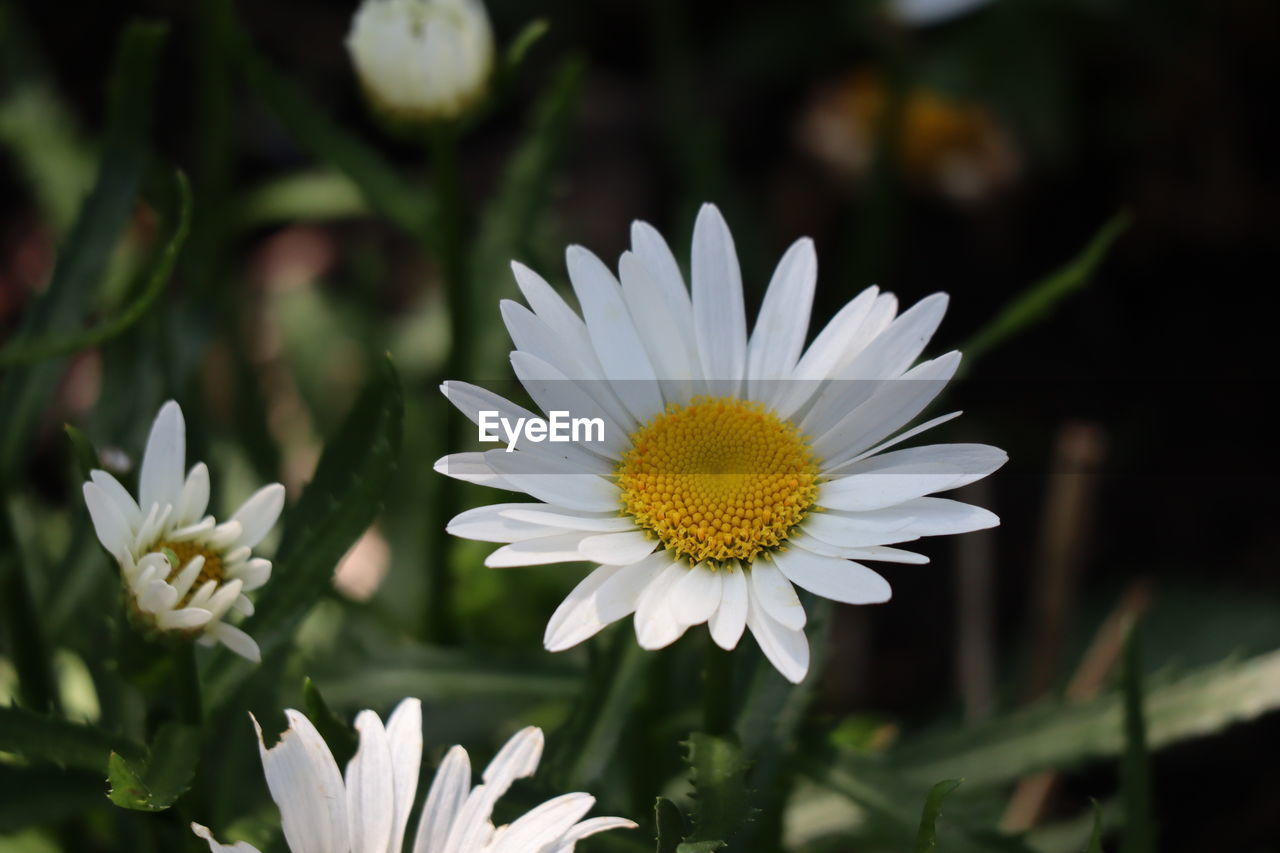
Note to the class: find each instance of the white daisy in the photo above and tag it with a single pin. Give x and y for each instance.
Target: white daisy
(182, 570)
(420, 60)
(368, 811)
(732, 466)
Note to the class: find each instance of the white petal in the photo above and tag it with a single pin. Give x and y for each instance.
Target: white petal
(832, 577)
(254, 574)
(559, 548)
(891, 407)
(447, 793)
(215, 847)
(613, 334)
(160, 481)
(518, 759)
(566, 325)
(824, 356)
(194, 499)
(238, 641)
(561, 484)
(696, 596)
(222, 600)
(720, 323)
(778, 337)
(650, 247)
(618, 549)
(157, 597)
(471, 400)
(119, 496)
(900, 344)
(370, 788)
(673, 355)
(776, 595)
(863, 552)
(727, 623)
(832, 470)
(111, 527)
(901, 522)
(786, 649)
(890, 478)
(588, 828)
(243, 605)
(305, 783)
(404, 740)
(545, 824)
(186, 619)
(470, 467)
(531, 334)
(606, 595)
(553, 391)
(489, 524)
(259, 514)
(598, 522)
(656, 623)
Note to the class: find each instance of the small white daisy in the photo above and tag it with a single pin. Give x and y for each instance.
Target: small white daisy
(368, 811)
(421, 60)
(182, 570)
(732, 466)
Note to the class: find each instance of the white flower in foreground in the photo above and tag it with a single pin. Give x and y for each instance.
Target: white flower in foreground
(368, 811)
(182, 570)
(924, 13)
(732, 466)
(420, 60)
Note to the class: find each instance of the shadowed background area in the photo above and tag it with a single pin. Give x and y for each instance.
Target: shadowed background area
(976, 156)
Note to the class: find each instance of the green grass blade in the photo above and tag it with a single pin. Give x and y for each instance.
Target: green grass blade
(24, 352)
(1095, 837)
(84, 258)
(1138, 834)
(927, 836)
(1038, 301)
(40, 737)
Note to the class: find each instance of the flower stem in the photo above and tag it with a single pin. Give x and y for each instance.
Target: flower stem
(717, 687)
(190, 705)
(451, 253)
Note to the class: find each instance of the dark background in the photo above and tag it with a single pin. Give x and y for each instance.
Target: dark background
(1162, 109)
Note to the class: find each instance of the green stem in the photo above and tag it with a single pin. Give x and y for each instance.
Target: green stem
(441, 625)
(717, 687)
(25, 633)
(190, 706)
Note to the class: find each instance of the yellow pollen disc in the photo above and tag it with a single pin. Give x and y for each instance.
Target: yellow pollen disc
(186, 551)
(718, 479)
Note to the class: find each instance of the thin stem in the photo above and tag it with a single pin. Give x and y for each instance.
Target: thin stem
(717, 687)
(441, 625)
(190, 705)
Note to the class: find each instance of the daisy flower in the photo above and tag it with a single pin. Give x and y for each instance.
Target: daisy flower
(182, 570)
(422, 60)
(732, 467)
(368, 810)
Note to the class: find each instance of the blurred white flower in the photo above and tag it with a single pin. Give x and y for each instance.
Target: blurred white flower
(368, 811)
(924, 13)
(182, 570)
(421, 60)
(732, 466)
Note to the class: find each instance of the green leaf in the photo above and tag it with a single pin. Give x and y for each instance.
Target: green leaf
(1095, 838)
(337, 506)
(927, 837)
(1038, 301)
(1138, 835)
(27, 352)
(83, 260)
(155, 784)
(585, 745)
(86, 455)
(719, 775)
(670, 824)
(341, 737)
(314, 196)
(386, 190)
(40, 737)
(528, 36)
(1056, 735)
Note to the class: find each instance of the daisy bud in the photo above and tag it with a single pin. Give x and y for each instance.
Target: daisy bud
(421, 60)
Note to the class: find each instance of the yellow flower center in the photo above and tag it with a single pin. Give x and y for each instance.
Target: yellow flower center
(185, 552)
(718, 479)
